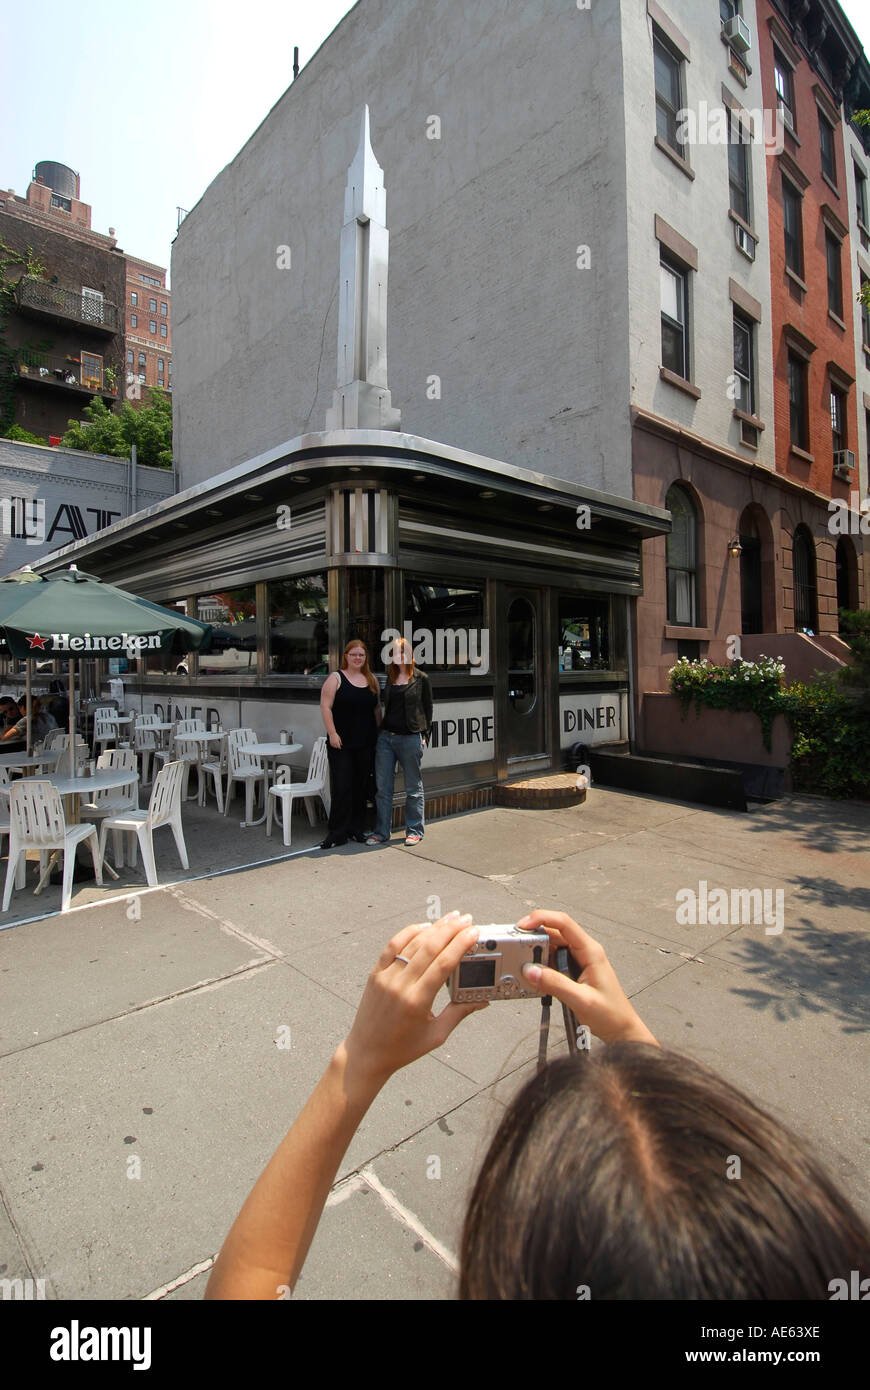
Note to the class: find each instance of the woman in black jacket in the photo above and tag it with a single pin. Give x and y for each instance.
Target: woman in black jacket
(405, 725)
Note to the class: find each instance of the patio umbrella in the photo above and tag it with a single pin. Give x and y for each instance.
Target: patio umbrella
(71, 615)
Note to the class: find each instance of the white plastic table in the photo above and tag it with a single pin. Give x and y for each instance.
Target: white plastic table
(270, 753)
(106, 779)
(30, 759)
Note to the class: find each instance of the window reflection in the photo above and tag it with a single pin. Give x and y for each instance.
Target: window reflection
(299, 625)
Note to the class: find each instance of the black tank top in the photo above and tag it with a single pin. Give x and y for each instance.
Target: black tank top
(353, 713)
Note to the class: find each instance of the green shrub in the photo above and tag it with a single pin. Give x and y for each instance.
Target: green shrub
(23, 436)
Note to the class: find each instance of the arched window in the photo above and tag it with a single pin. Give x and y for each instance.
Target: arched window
(682, 550)
(806, 606)
(847, 576)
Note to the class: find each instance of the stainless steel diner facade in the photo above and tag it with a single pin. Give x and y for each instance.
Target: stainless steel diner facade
(517, 590)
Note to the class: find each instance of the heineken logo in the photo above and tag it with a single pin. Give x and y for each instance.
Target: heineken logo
(86, 644)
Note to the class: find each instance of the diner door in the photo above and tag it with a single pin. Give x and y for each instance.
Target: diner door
(521, 694)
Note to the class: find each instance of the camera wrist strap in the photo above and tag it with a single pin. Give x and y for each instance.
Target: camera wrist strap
(567, 1016)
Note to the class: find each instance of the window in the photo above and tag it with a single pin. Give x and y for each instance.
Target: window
(728, 9)
(675, 326)
(584, 634)
(92, 371)
(738, 169)
(234, 633)
(152, 305)
(134, 298)
(826, 143)
(784, 82)
(142, 359)
(58, 201)
(149, 280)
(861, 196)
(865, 316)
(163, 333)
(130, 357)
(797, 397)
(744, 363)
(838, 419)
(152, 326)
(160, 381)
(449, 623)
(170, 366)
(682, 578)
(835, 275)
(791, 216)
(298, 625)
(805, 600)
(160, 364)
(164, 308)
(134, 320)
(668, 80)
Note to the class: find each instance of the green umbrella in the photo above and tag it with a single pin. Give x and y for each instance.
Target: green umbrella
(70, 615)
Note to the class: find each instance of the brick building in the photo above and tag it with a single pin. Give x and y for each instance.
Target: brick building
(148, 323)
(64, 333)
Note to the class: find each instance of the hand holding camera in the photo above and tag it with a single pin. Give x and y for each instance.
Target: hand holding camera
(596, 998)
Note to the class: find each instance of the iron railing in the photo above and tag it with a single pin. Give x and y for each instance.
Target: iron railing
(65, 371)
(45, 298)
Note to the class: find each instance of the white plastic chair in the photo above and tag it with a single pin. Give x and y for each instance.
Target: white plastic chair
(114, 800)
(186, 753)
(37, 822)
(5, 787)
(241, 767)
(164, 808)
(146, 742)
(214, 766)
(315, 785)
(105, 728)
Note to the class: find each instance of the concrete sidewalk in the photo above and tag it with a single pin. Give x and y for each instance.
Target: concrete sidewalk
(142, 1037)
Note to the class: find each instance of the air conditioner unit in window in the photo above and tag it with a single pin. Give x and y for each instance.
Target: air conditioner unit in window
(738, 33)
(787, 117)
(745, 241)
(844, 463)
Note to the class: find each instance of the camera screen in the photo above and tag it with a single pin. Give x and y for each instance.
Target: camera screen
(476, 974)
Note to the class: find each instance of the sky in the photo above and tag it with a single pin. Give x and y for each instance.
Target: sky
(149, 103)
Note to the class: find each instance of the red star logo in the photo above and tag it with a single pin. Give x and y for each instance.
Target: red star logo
(37, 641)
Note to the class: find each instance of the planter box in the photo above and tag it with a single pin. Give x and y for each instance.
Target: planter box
(720, 735)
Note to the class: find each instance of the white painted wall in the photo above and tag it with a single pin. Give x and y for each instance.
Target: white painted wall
(698, 210)
(485, 223)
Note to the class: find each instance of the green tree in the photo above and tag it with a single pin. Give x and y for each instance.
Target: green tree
(105, 432)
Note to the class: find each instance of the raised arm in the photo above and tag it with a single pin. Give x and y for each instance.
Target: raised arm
(265, 1250)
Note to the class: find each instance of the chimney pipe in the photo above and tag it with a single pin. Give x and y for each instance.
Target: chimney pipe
(295, 63)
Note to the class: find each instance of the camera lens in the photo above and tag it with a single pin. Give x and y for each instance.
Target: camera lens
(490, 945)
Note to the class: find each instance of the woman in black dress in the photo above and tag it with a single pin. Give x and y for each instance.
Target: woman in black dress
(350, 705)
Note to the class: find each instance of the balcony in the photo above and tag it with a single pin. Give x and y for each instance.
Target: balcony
(47, 301)
(66, 374)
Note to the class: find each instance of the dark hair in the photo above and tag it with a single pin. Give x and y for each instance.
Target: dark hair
(640, 1174)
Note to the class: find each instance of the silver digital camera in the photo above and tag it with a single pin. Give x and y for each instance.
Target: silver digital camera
(493, 967)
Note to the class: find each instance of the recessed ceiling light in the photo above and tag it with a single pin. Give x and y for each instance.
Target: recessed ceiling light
(545, 507)
(300, 478)
(486, 493)
(213, 511)
(418, 478)
(253, 497)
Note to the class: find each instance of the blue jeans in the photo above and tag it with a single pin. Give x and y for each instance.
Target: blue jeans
(406, 749)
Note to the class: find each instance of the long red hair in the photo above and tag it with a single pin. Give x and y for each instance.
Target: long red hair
(408, 652)
(366, 668)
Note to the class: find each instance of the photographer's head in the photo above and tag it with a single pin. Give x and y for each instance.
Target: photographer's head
(640, 1174)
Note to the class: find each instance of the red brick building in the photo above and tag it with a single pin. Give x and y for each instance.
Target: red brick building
(148, 314)
(805, 65)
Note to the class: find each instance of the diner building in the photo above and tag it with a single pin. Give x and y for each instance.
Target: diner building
(516, 588)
